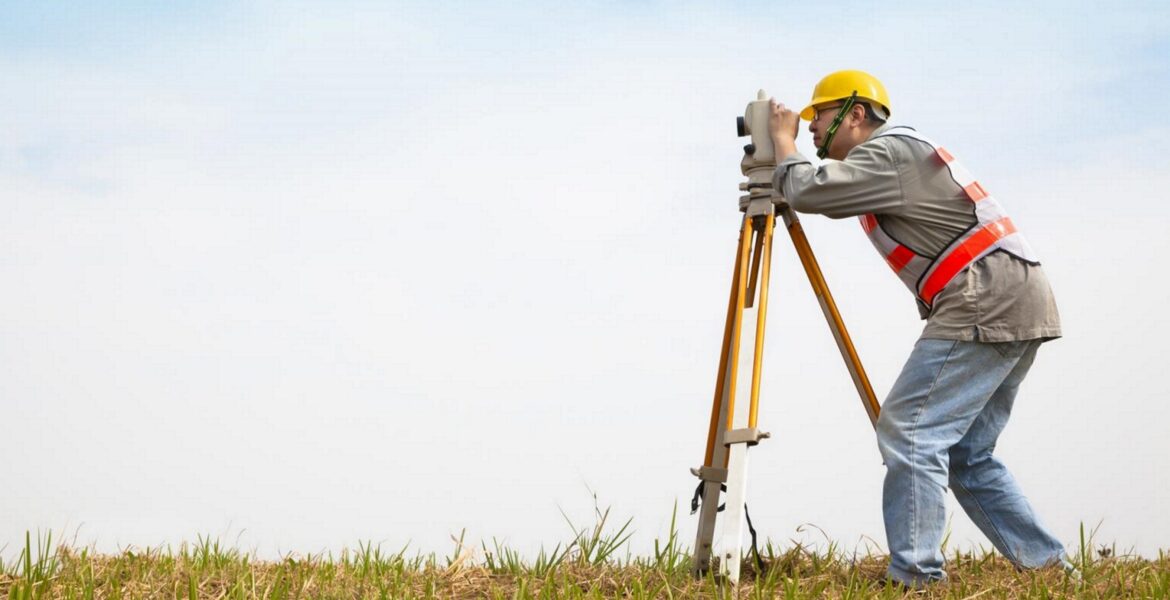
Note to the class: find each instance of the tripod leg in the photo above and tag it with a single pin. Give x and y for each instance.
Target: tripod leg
(741, 301)
(737, 467)
(761, 317)
(714, 470)
(829, 307)
(729, 332)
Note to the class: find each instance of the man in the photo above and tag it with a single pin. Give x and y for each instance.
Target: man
(985, 299)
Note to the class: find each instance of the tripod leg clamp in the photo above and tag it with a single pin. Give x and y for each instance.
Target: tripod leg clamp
(710, 474)
(750, 436)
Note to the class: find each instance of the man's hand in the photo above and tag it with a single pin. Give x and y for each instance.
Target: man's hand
(783, 126)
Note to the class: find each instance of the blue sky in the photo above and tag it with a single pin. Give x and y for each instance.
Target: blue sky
(323, 273)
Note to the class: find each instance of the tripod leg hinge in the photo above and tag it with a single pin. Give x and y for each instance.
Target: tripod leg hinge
(710, 474)
(750, 436)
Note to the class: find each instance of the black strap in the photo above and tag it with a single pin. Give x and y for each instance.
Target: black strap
(697, 499)
(755, 548)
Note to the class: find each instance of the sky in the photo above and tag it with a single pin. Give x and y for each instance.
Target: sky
(300, 275)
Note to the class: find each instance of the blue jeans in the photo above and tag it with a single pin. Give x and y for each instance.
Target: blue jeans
(938, 427)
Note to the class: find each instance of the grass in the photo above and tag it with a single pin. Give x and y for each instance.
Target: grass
(587, 566)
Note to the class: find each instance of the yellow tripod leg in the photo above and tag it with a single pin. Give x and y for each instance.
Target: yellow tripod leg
(740, 440)
(713, 472)
(736, 331)
(730, 325)
(761, 316)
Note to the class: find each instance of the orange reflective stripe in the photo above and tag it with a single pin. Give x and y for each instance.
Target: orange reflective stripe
(963, 255)
(868, 222)
(975, 192)
(944, 155)
(899, 258)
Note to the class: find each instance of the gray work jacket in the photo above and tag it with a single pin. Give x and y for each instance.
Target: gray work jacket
(999, 298)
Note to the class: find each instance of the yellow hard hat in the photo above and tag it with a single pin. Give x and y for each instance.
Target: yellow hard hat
(842, 84)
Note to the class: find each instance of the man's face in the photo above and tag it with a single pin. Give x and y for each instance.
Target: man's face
(847, 135)
(823, 117)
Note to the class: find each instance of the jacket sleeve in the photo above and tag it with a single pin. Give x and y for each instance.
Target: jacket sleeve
(866, 182)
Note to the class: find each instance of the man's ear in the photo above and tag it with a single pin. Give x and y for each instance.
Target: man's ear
(857, 112)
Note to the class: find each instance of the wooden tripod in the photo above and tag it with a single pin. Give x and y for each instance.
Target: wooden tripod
(725, 461)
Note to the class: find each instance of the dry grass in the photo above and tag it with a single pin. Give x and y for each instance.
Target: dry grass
(584, 568)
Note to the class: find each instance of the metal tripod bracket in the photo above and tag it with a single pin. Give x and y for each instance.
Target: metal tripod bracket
(749, 435)
(710, 474)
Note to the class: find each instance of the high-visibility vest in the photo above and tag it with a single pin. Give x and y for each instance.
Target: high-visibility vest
(926, 276)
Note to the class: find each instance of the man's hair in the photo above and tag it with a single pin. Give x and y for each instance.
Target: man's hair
(871, 116)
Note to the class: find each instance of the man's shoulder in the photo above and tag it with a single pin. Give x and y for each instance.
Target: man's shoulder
(901, 141)
(898, 134)
(893, 142)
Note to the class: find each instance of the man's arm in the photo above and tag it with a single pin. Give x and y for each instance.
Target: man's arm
(865, 182)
